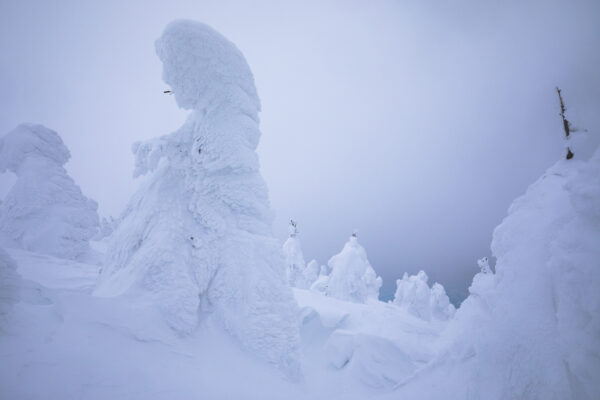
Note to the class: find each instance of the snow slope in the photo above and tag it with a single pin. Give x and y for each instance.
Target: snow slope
(76, 345)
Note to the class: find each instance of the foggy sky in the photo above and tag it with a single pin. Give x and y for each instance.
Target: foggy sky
(415, 122)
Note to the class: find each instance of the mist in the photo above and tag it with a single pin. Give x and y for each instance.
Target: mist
(415, 123)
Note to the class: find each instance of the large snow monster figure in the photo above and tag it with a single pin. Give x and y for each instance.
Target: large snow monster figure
(44, 211)
(196, 238)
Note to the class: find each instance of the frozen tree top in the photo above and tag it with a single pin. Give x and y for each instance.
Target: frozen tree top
(203, 67)
(28, 141)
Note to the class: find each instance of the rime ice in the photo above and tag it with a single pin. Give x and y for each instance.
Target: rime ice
(45, 210)
(352, 278)
(196, 238)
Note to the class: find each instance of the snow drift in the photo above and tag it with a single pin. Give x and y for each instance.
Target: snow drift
(196, 239)
(45, 210)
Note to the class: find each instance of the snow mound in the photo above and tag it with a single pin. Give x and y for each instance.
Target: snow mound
(376, 361)
(352, 278)
(376, 344)
(414, 295)
(45, 210)
(196, 239)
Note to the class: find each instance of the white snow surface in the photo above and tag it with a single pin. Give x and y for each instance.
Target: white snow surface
(73, 344)
(44, 211)
(530, 331)
(195, 240)
(352, 278)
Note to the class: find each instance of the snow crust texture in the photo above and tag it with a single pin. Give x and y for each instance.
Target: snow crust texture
(45, 210)
(196, 239)
(352, 278)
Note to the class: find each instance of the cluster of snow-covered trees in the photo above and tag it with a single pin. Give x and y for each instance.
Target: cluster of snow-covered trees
(349, 276)
(195, 243)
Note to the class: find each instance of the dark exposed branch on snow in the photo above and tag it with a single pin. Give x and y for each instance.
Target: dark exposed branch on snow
(566, 123)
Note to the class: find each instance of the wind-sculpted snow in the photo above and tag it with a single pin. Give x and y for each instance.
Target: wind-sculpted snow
(352, 278)
(532, 330)
(45, 210)
(196, 238)
(414, 295)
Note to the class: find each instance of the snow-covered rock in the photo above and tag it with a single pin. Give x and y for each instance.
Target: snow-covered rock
(414, 294)
(44, 211)
(352, 278)
(196, 239)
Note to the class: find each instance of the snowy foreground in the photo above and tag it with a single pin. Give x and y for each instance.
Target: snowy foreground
(60, 342)
(187, 295)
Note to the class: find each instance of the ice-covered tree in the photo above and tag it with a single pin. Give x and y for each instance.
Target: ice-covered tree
(45, 210)
(484, 265)
(414, 295)
(196, 238)
(294, 259)
(531, 330)
(352, 278)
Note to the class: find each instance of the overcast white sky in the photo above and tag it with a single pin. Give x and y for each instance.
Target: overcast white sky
(416, 122)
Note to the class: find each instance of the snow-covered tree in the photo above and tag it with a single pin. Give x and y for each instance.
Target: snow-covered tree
(294, 259)
(196, 238)
(531, 330)
(414, 295)
(352, 278)
(484, 265)
(45, 210)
